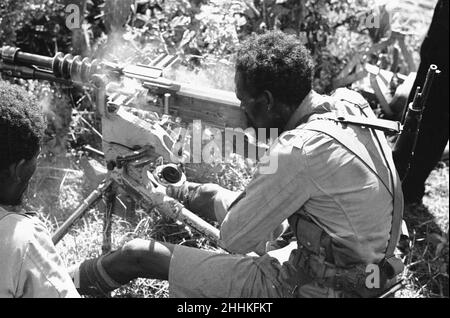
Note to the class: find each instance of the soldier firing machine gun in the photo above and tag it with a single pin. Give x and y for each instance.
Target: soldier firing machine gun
(132, 144)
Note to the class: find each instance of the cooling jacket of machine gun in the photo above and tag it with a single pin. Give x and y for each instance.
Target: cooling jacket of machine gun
(65, 69)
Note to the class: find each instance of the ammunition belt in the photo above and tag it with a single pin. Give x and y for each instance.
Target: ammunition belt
(351, 280)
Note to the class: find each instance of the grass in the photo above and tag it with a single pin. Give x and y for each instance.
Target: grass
(427, 263)
(55, 192)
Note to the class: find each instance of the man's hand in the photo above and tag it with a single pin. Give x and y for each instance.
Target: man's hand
(181, 193)
(199, 198)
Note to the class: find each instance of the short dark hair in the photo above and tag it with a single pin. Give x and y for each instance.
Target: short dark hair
(21, 125)
(277, 62)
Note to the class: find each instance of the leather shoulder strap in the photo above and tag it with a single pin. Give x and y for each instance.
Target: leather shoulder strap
(332, 129)
(387, 126)
(397, 215)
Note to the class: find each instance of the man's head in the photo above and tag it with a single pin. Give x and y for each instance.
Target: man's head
(21, 127)
(273, 75)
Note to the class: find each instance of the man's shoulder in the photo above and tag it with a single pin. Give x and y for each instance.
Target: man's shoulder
(345, 94)
(19, 228)
(296, 137)
(303, 140)
(291, 149)
(17, 216)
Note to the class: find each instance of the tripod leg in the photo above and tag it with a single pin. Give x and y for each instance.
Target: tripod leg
(110, 197)
(80, 211)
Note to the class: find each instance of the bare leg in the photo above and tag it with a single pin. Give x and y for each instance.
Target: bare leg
(139, 258)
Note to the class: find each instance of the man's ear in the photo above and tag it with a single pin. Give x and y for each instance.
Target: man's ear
(268, 100)
(16, 170)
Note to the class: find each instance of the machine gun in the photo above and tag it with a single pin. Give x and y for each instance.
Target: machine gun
(132, 146)
(216, 107)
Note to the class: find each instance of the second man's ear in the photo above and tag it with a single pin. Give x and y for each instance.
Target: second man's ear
(16, 170)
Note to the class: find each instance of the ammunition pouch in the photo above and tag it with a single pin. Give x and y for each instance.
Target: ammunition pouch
(314, 262)
(392, 266)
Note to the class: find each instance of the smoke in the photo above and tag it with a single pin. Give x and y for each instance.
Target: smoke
(57, 111)
(127, 47)
(216, 74)
(44, 102)
(132, 47)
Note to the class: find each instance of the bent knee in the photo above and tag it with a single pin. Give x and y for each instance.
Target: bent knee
(136, 250)
(210, 188)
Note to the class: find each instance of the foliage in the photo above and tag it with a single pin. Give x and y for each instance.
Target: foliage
(196, 31)
(36, 26)
(215, 30)
(205, 34)
(427, 271)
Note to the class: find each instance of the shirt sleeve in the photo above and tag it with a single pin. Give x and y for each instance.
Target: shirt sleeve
(280, 187)
(42, 273)
(222, 201)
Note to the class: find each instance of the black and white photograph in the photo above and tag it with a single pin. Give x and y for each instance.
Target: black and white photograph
(224, 156)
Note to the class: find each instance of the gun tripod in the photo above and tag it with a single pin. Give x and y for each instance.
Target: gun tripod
(130, 172)
(104, 189)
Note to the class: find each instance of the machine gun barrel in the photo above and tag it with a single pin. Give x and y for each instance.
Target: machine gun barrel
(404, 147)
(26, 72)
(60, 67)
(16, 56)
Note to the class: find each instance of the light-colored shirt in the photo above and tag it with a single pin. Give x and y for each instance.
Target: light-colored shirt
(316, 175)
(29, 263)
